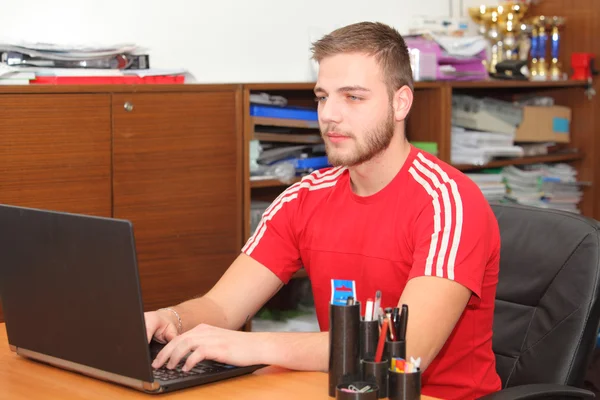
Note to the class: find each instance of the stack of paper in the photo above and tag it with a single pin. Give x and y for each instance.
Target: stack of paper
(491, 184)
(479, 147)
(14, 76)
(543, 185)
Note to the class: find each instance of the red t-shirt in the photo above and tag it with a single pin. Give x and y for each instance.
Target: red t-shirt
(430, 220)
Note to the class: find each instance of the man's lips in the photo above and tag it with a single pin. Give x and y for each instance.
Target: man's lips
(336, 136)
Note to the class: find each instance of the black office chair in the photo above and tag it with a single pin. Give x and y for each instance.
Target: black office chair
(547, 309)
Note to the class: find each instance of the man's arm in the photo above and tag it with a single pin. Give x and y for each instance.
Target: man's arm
(245, 287)
(435, 306)
(209, 323)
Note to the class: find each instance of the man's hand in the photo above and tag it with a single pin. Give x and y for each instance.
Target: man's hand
(160, 326)
(208, 342)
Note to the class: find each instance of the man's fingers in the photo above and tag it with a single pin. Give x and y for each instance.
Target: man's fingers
(164, 354)
(193, 359)
(170, 333)
(183, 348)
(150, 326)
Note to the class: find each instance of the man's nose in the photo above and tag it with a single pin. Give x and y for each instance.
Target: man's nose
(330, 112)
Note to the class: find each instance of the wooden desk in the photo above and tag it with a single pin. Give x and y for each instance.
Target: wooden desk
(17, 382)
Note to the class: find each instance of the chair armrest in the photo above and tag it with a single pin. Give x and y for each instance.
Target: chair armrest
(540, 391)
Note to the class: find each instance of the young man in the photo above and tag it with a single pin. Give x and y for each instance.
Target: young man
(386, 215)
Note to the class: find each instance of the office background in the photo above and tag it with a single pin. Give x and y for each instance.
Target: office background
(217, 41)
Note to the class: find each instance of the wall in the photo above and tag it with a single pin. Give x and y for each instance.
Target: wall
(218, 41)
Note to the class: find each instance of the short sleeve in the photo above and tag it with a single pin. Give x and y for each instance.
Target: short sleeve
(273, 243)
(452, 236)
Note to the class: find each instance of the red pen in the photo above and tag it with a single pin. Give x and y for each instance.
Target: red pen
(382, 335)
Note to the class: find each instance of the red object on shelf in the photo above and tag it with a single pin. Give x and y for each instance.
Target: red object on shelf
(583, 66)
(107, 80)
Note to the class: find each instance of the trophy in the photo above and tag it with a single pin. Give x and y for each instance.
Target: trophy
(556, 24)
(504, 28)
(543, 27)
(476, 14)
(510, 17)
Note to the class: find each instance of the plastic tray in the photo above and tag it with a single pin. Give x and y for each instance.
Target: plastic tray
(290, 112)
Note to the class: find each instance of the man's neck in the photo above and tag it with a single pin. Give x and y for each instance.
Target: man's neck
(370, 177)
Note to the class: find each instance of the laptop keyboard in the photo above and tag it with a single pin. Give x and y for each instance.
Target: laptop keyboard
(203, 368)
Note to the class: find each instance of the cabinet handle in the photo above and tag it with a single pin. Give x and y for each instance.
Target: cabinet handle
(128, 106)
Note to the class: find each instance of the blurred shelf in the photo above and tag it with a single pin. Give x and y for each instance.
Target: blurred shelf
(302, 138)
(508, 84)
(265, 183)
(490, 83)
(291, 123)
(570, 156)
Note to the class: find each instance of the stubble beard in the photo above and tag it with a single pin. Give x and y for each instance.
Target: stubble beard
(375, 141)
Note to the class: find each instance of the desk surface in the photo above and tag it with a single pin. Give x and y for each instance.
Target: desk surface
(17, 382)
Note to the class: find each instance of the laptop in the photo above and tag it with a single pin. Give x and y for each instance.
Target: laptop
(71, 297)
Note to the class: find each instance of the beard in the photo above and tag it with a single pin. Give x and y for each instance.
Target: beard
(376, 140)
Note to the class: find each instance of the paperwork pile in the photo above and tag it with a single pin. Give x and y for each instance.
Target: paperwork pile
(491, 185)
(543, 185)
(480, 147)
(38, 62)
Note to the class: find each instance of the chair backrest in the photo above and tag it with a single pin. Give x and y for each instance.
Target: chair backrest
(547, 309)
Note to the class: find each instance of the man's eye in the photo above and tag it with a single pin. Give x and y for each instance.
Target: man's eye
(319, 99)
(354, 98)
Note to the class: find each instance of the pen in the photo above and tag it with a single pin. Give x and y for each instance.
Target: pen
(382, 336)
(377, 304)
(403, 323)
(350, 301)
(369, 310)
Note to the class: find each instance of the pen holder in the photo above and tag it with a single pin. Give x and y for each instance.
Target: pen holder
(394, 349)
(377, 373)
(403, 386)
(369, 335)
(352, 391)
(344, 346)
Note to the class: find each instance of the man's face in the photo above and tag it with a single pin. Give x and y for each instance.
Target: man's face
(355, 111)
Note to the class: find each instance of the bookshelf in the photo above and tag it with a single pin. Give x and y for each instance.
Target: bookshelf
(430, 120)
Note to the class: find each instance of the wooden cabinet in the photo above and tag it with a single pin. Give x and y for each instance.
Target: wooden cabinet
(55, 152)
(177, 177)
(166, 157)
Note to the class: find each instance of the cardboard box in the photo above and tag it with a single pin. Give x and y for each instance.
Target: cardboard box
(544, 124)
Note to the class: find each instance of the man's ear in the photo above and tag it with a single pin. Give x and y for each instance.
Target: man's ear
(402, 102)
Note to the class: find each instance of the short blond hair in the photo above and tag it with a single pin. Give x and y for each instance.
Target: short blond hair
(373, 38)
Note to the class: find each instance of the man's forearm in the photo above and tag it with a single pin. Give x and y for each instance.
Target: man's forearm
(203, 310)
(303, 351)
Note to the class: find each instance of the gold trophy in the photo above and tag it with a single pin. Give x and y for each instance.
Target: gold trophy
(511, 27)
(504, 28)
(556, 23)
(476, 14)
(491, 19)
(542, 65)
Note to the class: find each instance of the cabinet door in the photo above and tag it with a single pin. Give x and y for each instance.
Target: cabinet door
(55, 152)
(177, 177)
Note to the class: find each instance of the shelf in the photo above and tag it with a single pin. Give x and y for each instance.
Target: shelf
(266, 183)
(291, 123)
(571, 156)
(508, 84)
(482, 84)
(301, 138)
